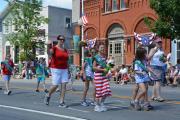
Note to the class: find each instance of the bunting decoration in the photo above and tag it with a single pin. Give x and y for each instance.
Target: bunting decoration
(144, 40)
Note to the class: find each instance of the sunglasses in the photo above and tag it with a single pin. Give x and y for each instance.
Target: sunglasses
(61, 39)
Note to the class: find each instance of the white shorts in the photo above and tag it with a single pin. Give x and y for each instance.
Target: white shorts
(59, 76)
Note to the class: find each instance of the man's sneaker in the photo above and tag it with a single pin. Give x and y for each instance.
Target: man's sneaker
(84, 103)
(63, 105)
(46, 100)
(103, 107)
(132, 104)
(97, 108)
(9, 92)
(137, 106)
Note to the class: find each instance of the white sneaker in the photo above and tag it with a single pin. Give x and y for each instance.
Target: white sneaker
(103, 107)
(97, 108)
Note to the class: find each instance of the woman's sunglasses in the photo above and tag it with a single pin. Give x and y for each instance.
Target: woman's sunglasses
(61, 39)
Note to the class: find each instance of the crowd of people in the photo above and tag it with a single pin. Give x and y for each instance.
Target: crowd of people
(148, 66)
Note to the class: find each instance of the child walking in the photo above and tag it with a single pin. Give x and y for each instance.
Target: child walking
(141, 78)
(41, 74)
(88, 76)
(100, 80)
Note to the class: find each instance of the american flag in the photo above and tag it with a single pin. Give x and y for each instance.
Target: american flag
(84, 19)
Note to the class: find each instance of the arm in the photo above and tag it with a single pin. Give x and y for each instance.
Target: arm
(152, 52)
(51, 52)
(95, 68)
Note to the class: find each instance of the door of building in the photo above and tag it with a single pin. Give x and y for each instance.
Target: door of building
(115, 49)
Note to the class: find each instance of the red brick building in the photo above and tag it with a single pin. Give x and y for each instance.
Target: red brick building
(114, 22)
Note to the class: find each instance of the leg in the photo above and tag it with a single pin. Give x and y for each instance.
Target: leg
(63, 90)
(158, 91)
(44, 86)
(175, 80)
(143, 93)
(94, 91)
(37, 88)
(52, 90)
(86, 88)
(139, 96)
(154, 94)
(135, 92)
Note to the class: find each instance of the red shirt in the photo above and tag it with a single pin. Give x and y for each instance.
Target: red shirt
(5, 70)
(59, 59)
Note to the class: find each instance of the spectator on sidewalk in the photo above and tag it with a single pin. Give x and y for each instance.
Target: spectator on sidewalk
(176, 73)
(124, 74)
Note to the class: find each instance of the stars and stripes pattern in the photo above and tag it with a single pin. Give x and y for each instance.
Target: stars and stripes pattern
(144, 40)
(91, 43)
(101, 85)
(84, 19)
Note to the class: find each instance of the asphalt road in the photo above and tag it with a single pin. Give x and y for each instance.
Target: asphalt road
(25, 104)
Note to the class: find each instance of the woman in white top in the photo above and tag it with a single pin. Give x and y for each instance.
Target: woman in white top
(124, 74)
(157, 61)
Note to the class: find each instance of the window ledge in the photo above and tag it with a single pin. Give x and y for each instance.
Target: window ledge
(115, 11)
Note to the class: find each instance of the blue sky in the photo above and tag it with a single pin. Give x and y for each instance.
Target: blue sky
(58, 3)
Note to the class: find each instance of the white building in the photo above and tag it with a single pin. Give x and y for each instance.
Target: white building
(59, 23)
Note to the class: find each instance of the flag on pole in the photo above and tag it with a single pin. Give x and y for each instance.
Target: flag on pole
(84, 19)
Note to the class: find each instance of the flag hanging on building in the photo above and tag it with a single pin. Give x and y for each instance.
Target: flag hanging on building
(84, 19)
(144, 40)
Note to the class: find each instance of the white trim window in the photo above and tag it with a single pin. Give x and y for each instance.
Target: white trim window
(114, 5)
(122, 4)
(106, 4)
(6, 27)
(67, 22)
(178, 49)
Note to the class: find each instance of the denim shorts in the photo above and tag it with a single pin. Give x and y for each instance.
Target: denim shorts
(158, 70)
(6, 77)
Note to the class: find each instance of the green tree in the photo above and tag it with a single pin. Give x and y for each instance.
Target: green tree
(168, 22)
(27, 20)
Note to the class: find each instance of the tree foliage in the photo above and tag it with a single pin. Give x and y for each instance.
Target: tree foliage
(27, 20)
(168, 22)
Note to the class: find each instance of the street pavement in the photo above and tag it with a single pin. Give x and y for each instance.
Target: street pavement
(26, 104)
